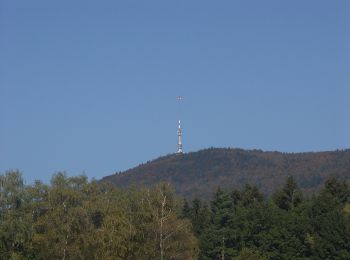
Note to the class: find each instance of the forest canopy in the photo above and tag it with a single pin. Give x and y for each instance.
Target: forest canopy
(200, 173)
(74, 218)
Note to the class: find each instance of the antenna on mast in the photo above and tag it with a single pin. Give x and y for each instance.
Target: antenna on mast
(179, 131)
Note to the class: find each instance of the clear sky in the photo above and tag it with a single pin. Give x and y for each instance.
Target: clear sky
(91, 86)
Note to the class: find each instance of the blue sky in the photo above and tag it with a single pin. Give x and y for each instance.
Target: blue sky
(91, 86)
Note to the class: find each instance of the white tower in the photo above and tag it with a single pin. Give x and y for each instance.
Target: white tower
(179, 138)
(179, 130)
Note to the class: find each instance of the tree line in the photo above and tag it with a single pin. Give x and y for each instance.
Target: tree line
(243, 224)
(74, 218)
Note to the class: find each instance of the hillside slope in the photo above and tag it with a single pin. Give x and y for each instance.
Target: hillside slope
(200, 173)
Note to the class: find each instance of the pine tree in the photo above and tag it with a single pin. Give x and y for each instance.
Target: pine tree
(289, 196)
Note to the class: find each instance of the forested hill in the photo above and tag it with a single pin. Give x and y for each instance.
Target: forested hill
(199, 174)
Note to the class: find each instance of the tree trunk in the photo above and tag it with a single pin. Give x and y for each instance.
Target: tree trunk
(161, 229)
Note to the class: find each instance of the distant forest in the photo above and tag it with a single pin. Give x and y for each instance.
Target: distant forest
(73, 218)
(199, 174)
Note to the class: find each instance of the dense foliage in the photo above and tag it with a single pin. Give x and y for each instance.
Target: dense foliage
(73, 218)
(199, 174)
(243, 225)
(76, 219)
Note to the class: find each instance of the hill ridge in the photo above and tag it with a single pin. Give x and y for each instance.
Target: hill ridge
(200, 173)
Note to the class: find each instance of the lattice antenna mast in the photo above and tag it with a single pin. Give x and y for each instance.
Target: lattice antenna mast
(179, 131)
(179, 138)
